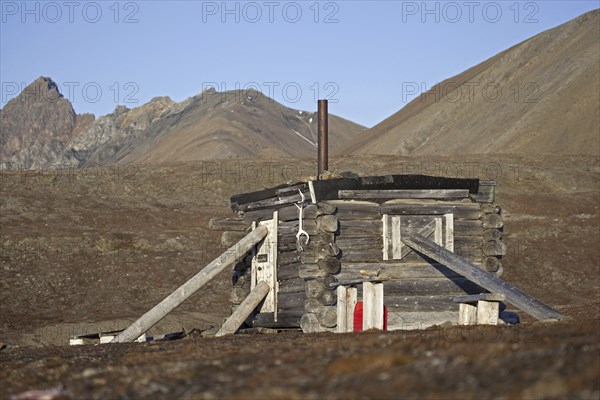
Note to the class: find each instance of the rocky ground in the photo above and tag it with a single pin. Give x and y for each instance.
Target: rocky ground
(92, 249)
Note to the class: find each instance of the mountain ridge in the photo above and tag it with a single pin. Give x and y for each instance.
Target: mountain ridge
(549, 102)
(210, 125)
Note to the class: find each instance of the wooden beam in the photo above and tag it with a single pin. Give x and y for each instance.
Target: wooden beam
(342, 316)
(158, 312)
(236, 319)
(438, 194)
(484, 279)
(467, 314)
(460, 210)
(264, 264)
(373, 306)
(474, 298)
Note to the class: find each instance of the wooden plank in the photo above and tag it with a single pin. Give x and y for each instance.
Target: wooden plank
(288, 271)
(258, 293)
(420, 303)
(275, 202)
(488, 312)
(291, 300)
(431, 287)
(467, 227)
(387, 237)
(351, 300)
(351, 227)
(449, 232)
(356, 210)
(486, 280)
(287, 213)
(380, 270)
(341, 305)
(438, 194)
(291, 227)
(158, 312)
(465, 211)
(474, 298)
(359, 241)
(467, 314)
(373, 306)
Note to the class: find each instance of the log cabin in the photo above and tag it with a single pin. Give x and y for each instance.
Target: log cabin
(325, 235)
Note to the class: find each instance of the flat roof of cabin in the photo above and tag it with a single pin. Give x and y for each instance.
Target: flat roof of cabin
(329, 189)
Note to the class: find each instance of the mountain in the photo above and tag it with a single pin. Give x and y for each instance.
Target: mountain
(39, 128)
(208, 126)
(36, 126)
(540, 96)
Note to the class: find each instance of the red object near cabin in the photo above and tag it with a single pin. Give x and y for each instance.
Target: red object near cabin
(358, 317)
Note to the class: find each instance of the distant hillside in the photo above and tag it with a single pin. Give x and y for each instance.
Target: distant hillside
(540, 96)
(42, 129)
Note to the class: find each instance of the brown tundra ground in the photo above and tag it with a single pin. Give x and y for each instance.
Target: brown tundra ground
(93, 249)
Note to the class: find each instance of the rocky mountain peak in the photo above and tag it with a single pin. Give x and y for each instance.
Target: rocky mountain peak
(36, 125)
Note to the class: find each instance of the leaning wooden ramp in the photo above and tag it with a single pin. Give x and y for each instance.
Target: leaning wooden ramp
(484, 279)
(227, 259)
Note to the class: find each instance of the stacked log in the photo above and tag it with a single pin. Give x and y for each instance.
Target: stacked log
(347, 243)
(493, 247)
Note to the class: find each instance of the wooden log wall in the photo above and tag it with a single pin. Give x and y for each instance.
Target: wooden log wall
(346, 243)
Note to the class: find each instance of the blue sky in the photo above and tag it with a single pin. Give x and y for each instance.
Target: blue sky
(366, 57)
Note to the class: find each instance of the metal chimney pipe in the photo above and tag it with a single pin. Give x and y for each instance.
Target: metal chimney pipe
(323, 134)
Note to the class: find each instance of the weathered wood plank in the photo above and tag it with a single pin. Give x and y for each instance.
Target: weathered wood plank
(488, 312)
(158, 312)
(419, 303)
(274, 203)
(351, 227)
(236, 319)
(385, 271)
(373, 305)
(288, 271)
(287, 213)
(342, 317)
(291, 300)
(438, 194)
(465, 211)
(486, 280)
(291, 227)
(264, 263)
(468, 227)
(474, 298)
(356, 210)
(431, 287)
(467, 314)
